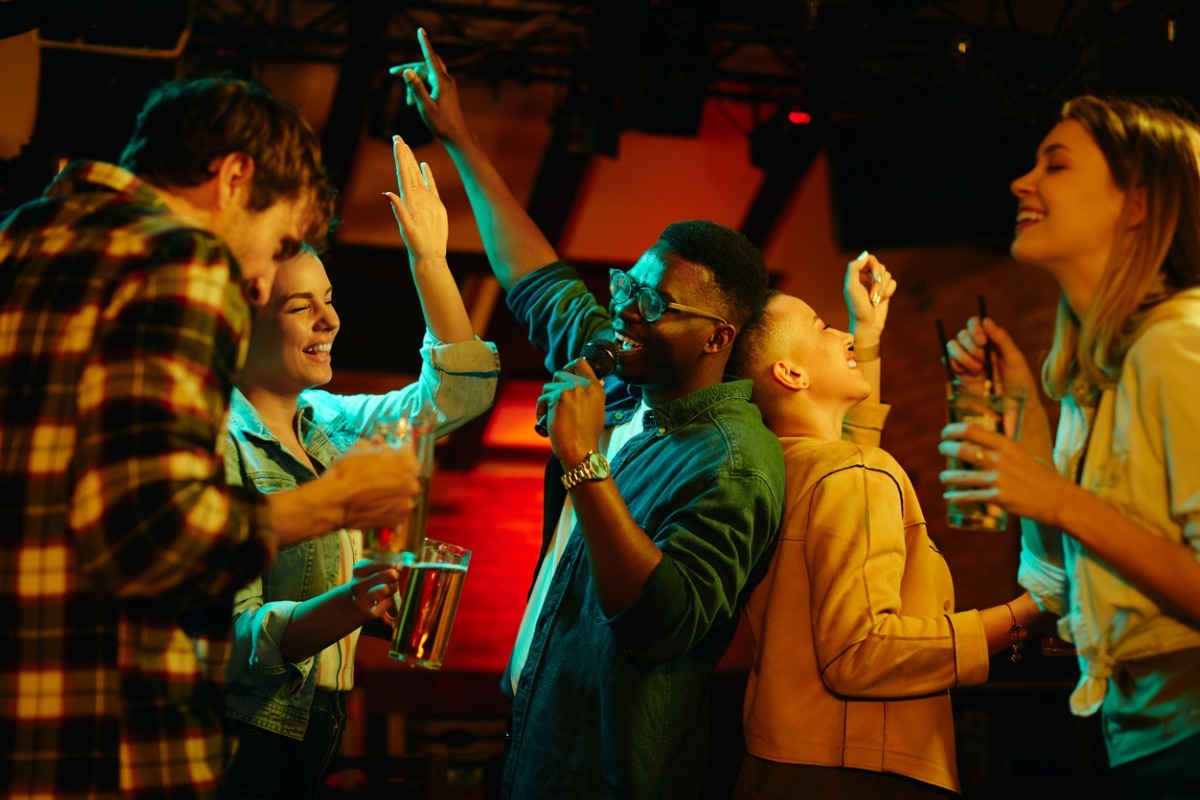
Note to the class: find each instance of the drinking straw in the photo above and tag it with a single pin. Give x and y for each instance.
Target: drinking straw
(987, 348)
(941, 332)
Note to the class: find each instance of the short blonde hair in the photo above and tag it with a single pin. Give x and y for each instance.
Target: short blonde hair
(753, 349)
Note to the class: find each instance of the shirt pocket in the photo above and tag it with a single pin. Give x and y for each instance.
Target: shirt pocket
(267, 481)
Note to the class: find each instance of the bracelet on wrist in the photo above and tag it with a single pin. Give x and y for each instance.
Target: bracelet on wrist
(867, 352)
(1015, 630)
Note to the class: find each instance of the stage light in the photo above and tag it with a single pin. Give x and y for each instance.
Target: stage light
(787, 142)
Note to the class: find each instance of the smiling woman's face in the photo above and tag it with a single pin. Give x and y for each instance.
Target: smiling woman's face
(823, 353)
(290, 346)
(1068, 206)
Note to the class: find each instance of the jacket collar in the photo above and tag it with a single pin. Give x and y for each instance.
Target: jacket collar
(77, 176)
(684, 410)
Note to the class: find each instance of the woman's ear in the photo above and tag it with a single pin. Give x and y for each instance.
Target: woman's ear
(795, 380)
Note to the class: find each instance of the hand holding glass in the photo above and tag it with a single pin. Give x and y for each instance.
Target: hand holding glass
(1000, 412)
(426, 602)
(401, 543)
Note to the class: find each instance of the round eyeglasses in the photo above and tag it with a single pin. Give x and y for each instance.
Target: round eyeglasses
(650, 303)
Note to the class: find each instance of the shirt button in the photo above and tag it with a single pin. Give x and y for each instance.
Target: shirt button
(946, 606)
(620, 415)
(662, 431)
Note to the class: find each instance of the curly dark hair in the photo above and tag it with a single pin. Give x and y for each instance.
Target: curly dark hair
(736, 264)
(185, 124)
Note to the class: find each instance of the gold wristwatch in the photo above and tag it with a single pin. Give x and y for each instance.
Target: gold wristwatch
(594, 467)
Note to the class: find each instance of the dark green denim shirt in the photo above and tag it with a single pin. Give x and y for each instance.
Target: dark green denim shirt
(618, 706)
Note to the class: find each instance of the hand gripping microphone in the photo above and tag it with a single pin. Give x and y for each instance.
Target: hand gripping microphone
(602, 355)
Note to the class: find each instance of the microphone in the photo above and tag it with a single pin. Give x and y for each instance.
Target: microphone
(602, 355)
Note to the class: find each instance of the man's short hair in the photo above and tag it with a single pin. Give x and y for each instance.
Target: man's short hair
(186, 124)
(736, 264)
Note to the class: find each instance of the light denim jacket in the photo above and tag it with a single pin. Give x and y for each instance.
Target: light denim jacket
(458, 381)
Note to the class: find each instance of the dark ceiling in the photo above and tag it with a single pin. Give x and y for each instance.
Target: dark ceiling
(648, 65)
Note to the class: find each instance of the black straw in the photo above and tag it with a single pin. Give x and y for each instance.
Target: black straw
(987, 348)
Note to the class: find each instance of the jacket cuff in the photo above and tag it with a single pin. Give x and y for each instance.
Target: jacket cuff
(1045, 581)
(266, 654)
(863, 423)
(971, 658)
(472, 356)
(639, 626)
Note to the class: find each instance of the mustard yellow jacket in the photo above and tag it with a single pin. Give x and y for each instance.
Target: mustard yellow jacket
(857, 642)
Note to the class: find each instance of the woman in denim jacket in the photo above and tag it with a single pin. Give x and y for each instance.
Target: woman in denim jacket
(296, 627)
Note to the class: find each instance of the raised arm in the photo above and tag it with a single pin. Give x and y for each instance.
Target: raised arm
(513, 243)
(868, 288)
(423, 224)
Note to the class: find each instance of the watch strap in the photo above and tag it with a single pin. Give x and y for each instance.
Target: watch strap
(583, 471)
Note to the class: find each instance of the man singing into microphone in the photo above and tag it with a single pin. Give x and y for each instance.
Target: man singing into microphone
(663, 496)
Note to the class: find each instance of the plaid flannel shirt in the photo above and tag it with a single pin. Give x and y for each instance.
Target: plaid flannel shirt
(122, 328)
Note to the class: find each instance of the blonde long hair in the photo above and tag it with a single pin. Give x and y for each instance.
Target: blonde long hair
(1157, 150)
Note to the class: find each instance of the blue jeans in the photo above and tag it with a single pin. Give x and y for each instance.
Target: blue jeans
(268, 766)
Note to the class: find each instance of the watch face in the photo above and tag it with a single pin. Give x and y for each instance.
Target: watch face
(593, 468)
(599, 465)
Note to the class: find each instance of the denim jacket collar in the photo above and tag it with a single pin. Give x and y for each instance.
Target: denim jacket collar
(686, 409)
(624, 398)
(245, 419)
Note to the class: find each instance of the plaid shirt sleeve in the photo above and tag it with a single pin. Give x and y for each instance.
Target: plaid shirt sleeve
(151, 512)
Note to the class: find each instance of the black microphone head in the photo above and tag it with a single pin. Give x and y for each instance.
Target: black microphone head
(602, 355)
